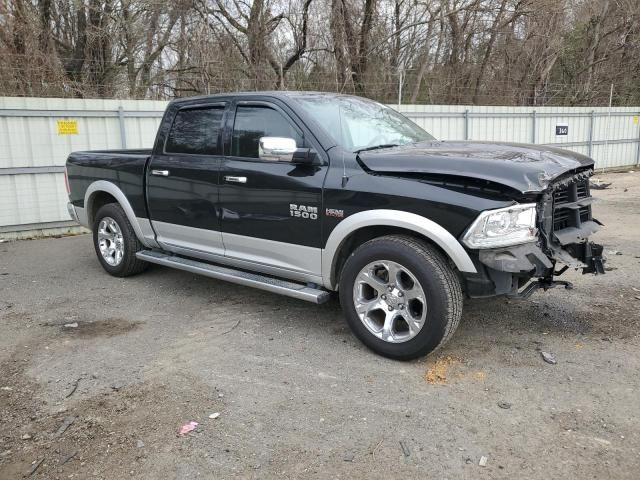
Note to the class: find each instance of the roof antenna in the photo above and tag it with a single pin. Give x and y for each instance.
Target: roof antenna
(345, 179)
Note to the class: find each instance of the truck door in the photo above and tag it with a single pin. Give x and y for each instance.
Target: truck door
(271, 210)
(182, 182)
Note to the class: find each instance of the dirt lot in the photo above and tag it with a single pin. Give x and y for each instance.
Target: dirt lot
(298, 396)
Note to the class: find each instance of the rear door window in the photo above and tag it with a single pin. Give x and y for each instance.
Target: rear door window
(196, 131)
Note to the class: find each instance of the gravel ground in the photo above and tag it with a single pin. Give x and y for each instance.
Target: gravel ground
(298, 396)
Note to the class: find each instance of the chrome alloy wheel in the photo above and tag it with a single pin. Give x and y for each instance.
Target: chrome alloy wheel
(110, 241)
(390, 301)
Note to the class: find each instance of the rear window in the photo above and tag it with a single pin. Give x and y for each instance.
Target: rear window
(196, 131)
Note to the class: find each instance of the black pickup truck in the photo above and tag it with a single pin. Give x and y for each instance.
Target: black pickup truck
(305, 194)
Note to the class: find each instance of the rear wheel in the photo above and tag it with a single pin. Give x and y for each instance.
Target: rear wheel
(116, 243)
(400, 296)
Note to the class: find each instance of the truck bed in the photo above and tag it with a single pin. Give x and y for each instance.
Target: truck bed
(124, 168)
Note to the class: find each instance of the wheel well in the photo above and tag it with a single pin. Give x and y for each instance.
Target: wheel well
(363, 235)
(96, 202)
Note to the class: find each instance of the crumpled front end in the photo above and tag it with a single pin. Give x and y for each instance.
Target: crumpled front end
(565, 224)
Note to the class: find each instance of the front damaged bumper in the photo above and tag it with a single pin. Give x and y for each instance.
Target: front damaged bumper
(522, 269)
(565, 224)
(518, 259)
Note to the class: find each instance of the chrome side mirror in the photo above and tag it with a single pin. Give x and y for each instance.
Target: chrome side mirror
(276, 149)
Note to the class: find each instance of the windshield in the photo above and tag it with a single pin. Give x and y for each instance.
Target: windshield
(360, 124)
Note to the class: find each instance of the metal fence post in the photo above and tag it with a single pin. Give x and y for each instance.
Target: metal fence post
(533, 127)
(638, 151)
(591, 123)
(466, 124)
(123, 133)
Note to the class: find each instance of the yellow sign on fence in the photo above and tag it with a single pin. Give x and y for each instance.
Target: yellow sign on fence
(67, 127)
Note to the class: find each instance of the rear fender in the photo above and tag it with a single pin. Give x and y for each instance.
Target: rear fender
(141, 226)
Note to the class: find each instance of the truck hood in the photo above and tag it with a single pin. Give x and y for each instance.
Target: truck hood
(526, 168)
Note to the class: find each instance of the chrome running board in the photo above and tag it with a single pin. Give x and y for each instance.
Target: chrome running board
(255, 280)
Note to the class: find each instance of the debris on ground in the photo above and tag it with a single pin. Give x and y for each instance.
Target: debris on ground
(68, 457)
(405, 448)
(505, 405)
(68, 421)
(26, 436)
(437, 374)
(140, 444)
(188, 427)
(595, 185)
(614, 252)
(348, 457)
(73, 388)
(375, 449)
(232, 328)
(548, 357)
(446, 368)
(36, 464)
(214, 415)
(71, 325)
(483, 461)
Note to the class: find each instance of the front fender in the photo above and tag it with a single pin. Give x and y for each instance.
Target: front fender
(391, 218)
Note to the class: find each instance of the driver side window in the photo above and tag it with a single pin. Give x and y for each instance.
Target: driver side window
(253, 122)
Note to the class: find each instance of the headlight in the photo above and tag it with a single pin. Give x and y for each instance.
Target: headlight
(503, 227)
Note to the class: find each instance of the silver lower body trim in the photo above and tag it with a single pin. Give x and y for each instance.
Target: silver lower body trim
(79, 214)
(72, 212)
(149, 236)
(279, 259)
(172, 236)
(286, 256)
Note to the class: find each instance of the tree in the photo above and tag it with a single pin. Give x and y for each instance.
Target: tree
(531, 52)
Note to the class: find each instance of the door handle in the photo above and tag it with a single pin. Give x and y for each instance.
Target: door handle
(231, 179)
(161, 173)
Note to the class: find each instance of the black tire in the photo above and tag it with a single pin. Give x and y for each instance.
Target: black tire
(129, 264)
(442, 292)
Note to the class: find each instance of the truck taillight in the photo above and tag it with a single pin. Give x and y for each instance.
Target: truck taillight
(66, 181)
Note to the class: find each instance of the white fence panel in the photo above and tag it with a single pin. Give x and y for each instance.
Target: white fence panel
(33, 153)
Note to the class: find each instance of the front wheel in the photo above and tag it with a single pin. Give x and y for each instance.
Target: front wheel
(116, 243)
(400, 296)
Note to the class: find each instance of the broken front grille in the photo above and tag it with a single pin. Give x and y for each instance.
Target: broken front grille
(568, 210)
(571, 219)
(565, 224)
